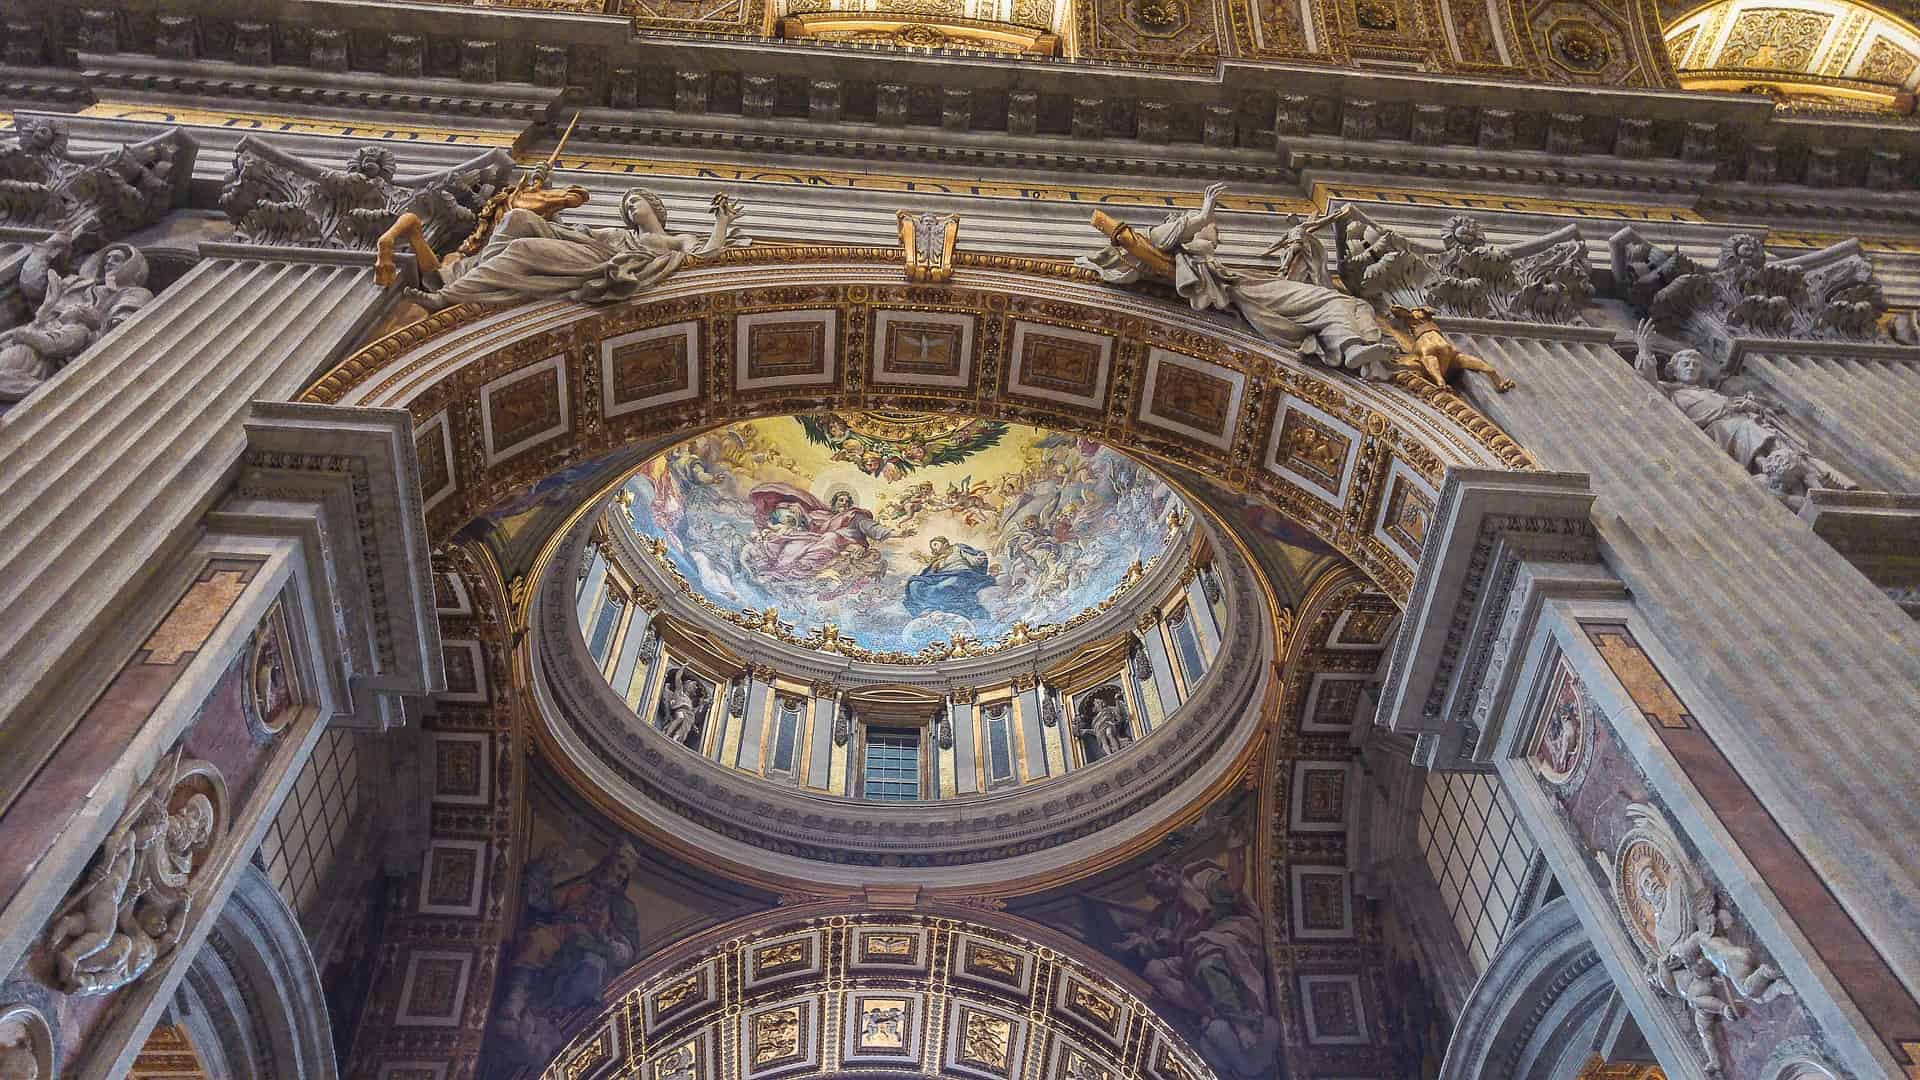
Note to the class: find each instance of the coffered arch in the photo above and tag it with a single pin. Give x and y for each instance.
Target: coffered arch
(825, 991)
(504, 398)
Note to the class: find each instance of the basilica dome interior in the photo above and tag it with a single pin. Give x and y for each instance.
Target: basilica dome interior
(977, 539)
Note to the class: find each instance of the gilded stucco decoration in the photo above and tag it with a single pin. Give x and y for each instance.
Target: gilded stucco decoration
(1100, 353)
(1808, 55)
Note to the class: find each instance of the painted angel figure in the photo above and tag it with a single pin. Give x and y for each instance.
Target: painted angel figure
(1296, 306)
(531, 258)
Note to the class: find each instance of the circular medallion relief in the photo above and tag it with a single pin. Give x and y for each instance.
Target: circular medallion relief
(26, 1043)
(1643, 880)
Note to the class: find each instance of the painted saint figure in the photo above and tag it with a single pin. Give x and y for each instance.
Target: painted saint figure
(530, 258)
(799, 539)
(950, 581)
(1296, 306)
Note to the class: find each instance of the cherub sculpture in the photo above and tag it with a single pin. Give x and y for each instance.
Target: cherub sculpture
(1692, 960)
(1429, 351)
(132, 907)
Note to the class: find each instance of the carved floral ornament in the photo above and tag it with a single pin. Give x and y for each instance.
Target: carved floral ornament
(131, 909)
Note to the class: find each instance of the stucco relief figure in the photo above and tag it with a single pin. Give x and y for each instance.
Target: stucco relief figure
(1680, 924)
(132, 907)
(1295, 306)
(75, 311)
(1746, 426)
(682, 702)
(530, 258)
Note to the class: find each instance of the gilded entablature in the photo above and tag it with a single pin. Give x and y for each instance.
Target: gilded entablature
(1023, 304)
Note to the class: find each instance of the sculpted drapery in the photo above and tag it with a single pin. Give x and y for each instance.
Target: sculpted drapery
(1296, 306)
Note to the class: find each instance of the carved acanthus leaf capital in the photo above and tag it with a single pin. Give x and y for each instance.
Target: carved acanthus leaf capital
(1543, 280)
(92, 197)
(276, 198)
(1825, 295)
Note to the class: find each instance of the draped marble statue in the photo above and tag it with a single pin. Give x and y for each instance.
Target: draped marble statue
(1746, 426)
(529, 257)
(74, 312)
(1295, 306)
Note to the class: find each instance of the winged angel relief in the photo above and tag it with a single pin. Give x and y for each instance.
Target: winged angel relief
(1678, 922)
(1298, 305)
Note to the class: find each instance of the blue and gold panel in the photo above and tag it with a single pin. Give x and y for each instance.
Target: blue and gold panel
(882, 1027)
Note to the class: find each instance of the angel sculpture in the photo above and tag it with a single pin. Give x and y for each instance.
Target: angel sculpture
(1103, 721)
(680, 703)
(1429, 351)
(1691, 959)
(75, 312)
(132, 908)
(1295, 306)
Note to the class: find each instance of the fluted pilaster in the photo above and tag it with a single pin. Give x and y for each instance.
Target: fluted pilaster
(110, 466)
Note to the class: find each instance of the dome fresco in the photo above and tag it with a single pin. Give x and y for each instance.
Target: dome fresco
(902, 531)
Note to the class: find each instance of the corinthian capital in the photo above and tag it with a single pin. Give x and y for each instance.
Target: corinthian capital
(92, 197)
(278, 199)
(1830, 294)
(1543, 280)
